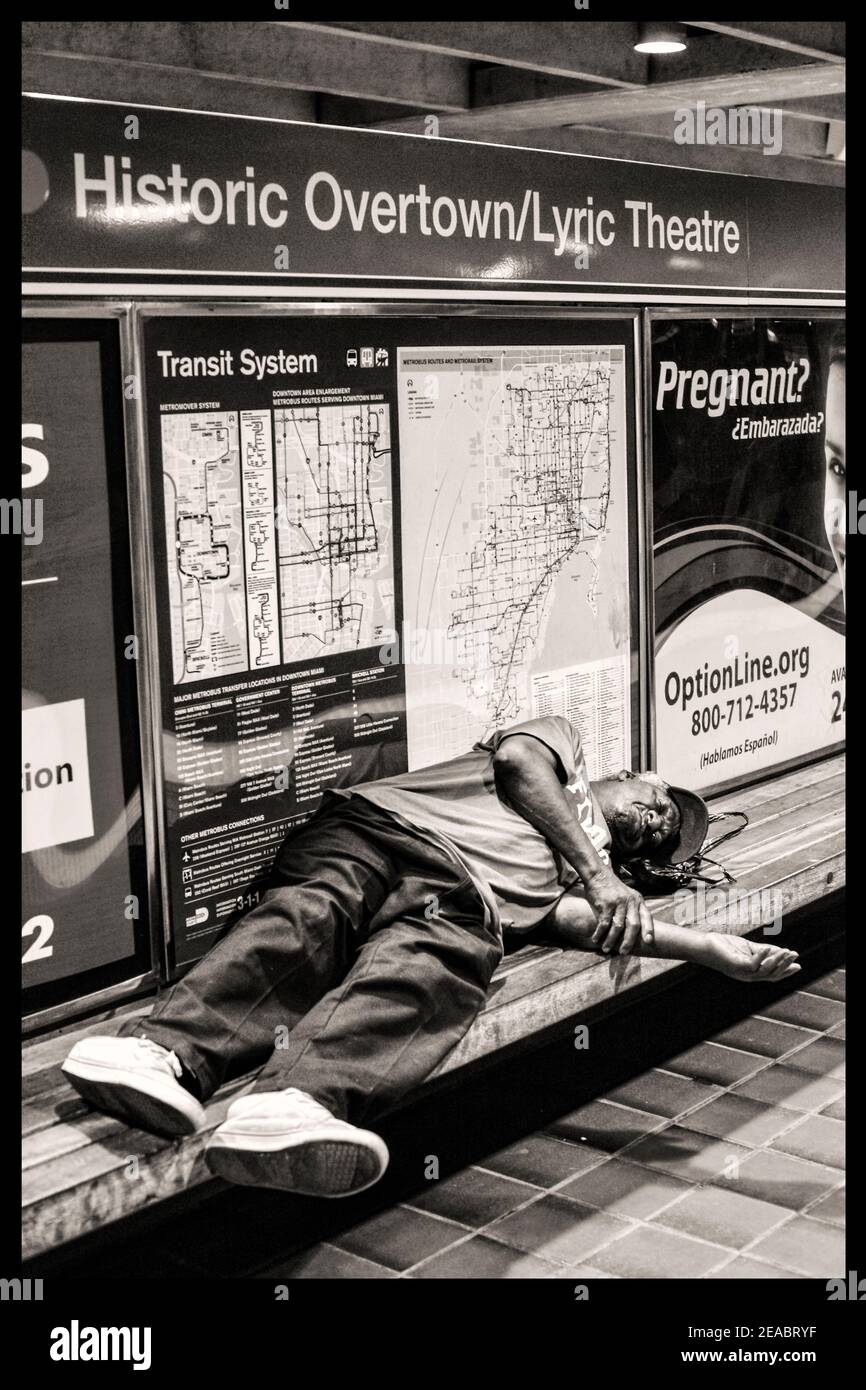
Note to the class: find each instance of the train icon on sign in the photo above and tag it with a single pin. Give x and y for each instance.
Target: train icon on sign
(366, 357)
(351, 357)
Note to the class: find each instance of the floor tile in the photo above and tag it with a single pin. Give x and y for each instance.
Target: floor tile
(604, 1126)
(326, 1262)
(480, 1258)
(745, 1268)
(581, 1274)
(831, 1208)
(710, 1062)
(838, 1030)
(808, 1247)
(624, 1189)
(836, 1111)
(763, 1035)
(806, 1010)
(660, 1093)
(399, 1237)
(790, 1088)
(473, 1196)
(832, 985)
(723, 1216)
(778, 1178)
(543, 1161)
(824, 1057)
(557, 1229)
(686, 1154)
(737, 1118)
(818, 1138)
(647, 1253)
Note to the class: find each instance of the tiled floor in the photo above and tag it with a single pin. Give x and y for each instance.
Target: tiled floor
(726, 1163)
(722, 1158)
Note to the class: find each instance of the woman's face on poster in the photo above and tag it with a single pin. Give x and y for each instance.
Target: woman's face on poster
(834, 457)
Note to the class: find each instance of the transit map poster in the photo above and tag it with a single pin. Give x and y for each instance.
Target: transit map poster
(376, 540)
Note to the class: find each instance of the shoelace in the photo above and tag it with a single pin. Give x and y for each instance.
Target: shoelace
(161, 1055)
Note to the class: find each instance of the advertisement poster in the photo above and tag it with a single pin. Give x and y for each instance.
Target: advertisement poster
(376, 540)
(82, 846)
(749, 500)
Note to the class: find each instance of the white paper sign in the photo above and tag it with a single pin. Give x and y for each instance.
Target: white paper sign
(55, 776)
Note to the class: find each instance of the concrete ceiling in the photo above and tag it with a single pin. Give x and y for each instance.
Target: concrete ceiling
(576, 85)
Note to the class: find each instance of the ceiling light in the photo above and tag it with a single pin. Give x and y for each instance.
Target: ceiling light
(660, 38)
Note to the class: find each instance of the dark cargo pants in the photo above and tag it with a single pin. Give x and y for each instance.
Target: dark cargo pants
(361, 968)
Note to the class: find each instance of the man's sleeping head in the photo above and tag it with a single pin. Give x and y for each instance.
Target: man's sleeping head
(642, 817)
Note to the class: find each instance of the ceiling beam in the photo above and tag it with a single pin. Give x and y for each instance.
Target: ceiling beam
(649, 149)
(798, 139)
(112, 79)
(829, 108)
(709, 54)
(591, 108)
(812, 114)
(822, 39)
(600, 53)
(291, 58)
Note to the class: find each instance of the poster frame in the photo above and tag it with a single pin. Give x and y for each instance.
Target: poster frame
(651, 315)
(142, 312)
(142, 979)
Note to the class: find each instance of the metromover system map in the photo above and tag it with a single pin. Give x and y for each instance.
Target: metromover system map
(264, 569)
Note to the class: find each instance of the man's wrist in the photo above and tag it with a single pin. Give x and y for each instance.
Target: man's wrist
(702, 946)
(595, 871)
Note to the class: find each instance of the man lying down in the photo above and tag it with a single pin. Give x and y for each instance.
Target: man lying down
(370, 954)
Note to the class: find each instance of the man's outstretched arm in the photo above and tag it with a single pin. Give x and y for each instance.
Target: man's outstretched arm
(573, 921)
(525, 770)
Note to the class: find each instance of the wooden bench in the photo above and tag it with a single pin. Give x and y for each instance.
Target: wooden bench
(82, 1170)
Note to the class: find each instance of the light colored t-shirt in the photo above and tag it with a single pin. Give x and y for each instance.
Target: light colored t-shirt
(519, 876)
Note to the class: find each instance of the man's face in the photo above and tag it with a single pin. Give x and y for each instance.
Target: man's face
(641, 815)
(834, 458)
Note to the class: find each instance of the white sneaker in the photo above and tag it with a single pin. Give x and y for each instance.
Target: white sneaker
(137, 1080)
(287, 1140)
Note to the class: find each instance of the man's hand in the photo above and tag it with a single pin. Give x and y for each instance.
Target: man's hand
(623, 917)
(748, 960)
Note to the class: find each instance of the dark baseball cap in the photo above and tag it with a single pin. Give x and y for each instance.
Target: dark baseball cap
(694, 821)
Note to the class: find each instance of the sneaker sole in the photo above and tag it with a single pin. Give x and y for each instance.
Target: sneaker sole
(313, 1167)
(120, 1093)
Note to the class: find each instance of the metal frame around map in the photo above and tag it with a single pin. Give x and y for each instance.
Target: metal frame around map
(141, 312)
